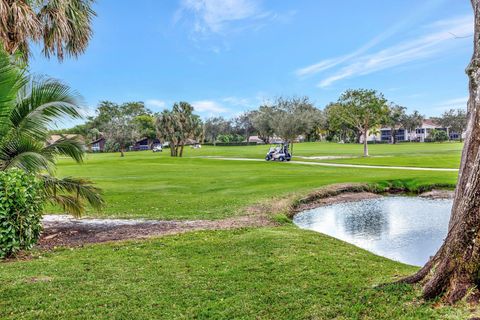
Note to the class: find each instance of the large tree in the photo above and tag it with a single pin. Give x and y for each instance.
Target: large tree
(454, 271)
(293, 117)
(393, 120)
(362, 109)
(455, 120)
(61, 27)
(28, 108)
(411, 122)
(216, 126)
(262, 122)
(178, 126)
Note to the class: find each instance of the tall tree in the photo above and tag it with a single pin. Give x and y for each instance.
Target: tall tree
(28, 108)
(293, 117)
(216, 126)
(338, 129)
(455, 120)
(453, 272)
(362, 109)
(61, 27)
(262, 122)
(178, 126)
(393, 120)
(411, 122)
(121, 132)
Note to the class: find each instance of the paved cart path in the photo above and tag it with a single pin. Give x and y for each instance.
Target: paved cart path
(339, 165)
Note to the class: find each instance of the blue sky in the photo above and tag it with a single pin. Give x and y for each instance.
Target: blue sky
(228, 56)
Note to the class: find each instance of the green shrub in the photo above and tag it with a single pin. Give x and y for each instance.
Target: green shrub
(21, 204)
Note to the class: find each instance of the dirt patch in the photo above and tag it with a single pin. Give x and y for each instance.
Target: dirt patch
(65, 231)
(438, 194)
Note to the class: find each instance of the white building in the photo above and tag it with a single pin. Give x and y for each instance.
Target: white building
(420, 134)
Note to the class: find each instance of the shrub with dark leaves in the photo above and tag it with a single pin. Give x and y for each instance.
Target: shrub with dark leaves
(21, 206)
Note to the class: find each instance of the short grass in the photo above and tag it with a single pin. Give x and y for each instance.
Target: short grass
(263, 273)
(257, 273)
(156, 186)
(434, 155)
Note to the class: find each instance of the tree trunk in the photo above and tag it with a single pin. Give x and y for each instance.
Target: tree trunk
(454, 270)
(122, 152)
(181, 150)
(365, 143)
(393, 132)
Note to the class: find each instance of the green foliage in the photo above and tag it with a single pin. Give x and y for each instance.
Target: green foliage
(438, 135)
(178, 126)
(29, 107)
(455, 120)
(230, 138)
(21, 204)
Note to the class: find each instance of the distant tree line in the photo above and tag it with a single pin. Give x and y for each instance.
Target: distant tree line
(351, 119)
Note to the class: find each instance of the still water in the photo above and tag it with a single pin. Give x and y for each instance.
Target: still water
(406, 229)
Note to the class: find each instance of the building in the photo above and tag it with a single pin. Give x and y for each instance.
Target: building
(97, 145)
(144, 144)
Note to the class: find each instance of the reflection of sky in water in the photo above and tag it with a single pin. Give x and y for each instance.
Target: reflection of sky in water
(405, 229)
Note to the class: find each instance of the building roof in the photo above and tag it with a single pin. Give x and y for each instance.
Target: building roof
(430, 123)
(55, 137)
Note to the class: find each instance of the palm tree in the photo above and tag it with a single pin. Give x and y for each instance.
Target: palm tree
(28, 108)
(62, 26)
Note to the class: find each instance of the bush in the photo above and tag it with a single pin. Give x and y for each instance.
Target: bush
(21, 204)
(439, 136)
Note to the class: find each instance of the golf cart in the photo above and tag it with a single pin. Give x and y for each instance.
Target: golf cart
(278, 152)
(157, 148)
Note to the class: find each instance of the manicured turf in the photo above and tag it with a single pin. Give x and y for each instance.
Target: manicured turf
(154, 185)
(258, 273)
(263, 273)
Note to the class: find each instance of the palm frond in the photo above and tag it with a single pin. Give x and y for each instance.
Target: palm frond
(72, 193)
(25, 154)
(70, 147)
(40, 103)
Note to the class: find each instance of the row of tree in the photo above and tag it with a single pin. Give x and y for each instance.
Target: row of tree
(352, 118)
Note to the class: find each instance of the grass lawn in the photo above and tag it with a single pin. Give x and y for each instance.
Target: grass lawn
(154, 185)
(255, 273)
(262, 273)
(435, 155)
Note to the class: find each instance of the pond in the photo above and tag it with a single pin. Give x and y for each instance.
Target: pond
(405, 229)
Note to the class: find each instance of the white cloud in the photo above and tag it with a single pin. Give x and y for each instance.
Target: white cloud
(422, 47)
(209, 106)
(215, 15)
(424, 8)
(155, 103)
(454, 103)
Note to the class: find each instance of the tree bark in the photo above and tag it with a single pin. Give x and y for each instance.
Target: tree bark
(122, 152)
(453, 272)
(365, 143)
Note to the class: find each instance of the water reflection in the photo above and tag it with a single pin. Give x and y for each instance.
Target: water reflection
(405, 229)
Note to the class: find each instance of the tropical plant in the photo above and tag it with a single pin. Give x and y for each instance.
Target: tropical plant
(21, 205)
(62, 27)
(29, 106)
(178, 126)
